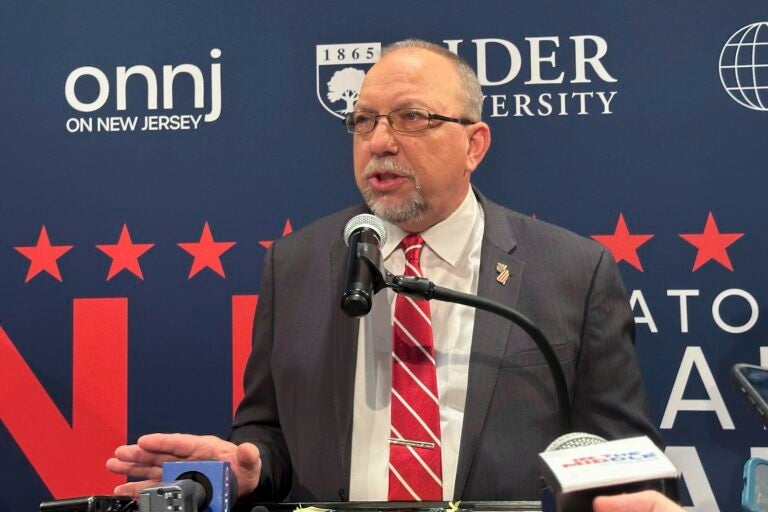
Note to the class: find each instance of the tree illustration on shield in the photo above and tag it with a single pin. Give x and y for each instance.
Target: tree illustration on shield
(345, 85)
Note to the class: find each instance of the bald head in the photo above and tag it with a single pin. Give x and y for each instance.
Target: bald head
(469, 86)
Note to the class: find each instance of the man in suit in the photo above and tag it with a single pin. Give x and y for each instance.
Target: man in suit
(315, 420)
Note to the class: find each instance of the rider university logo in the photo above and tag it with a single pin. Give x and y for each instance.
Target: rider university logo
(340, 72)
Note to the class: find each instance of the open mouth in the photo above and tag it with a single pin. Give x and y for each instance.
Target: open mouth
(385, 181)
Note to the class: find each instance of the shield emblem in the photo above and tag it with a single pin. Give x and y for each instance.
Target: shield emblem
(340, 72)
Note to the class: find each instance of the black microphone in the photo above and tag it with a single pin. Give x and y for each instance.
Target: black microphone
(364, 234)
(90, 504)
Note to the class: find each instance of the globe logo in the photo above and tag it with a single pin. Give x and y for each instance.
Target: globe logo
(744, 66)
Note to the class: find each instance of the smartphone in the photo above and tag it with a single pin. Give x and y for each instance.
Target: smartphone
(754, 495)
(753, 382)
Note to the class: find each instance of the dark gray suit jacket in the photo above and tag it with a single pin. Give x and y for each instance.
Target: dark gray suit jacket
(300, 376)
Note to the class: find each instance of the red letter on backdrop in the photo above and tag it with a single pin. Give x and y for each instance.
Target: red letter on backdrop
(70, 459)
(243, 310)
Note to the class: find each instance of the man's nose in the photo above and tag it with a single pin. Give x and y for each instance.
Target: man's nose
(382, 139)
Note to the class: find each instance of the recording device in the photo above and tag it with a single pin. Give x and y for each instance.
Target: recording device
(754, 495)
(551, 502)
(364, 234)
(579, 467)
(199, 486)
(181, 496)
(90, 504)
(752, 380)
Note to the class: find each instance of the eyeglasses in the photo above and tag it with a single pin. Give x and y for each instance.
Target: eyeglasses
(400, 120)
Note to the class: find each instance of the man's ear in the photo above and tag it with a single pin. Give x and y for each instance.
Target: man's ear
(479, 142)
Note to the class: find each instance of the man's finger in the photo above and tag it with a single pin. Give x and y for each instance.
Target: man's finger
(134, 470)
(134, 453)
(645, 501)
(248, 456)
(133, 488)
(247, 467)
(183, 446)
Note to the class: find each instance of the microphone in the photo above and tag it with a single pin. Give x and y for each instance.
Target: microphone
(181, 495)
(198, 486)
(574, 440)
(364, 234)
(90, 504)
(579, 467)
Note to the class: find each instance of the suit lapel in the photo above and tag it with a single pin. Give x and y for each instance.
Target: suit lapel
(490, 332)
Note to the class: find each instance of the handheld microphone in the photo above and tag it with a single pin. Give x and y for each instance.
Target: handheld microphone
(198, 486)
(578, 467)
(364, 234)
(574, 440)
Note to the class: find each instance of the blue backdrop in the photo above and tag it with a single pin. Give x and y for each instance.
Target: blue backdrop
(131, 128)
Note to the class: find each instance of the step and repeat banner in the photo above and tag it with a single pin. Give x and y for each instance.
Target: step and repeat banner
(152, 151)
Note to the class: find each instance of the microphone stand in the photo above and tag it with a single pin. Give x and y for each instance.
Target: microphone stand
(425, 289)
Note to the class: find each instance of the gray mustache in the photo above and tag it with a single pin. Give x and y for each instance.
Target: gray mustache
(377, 165)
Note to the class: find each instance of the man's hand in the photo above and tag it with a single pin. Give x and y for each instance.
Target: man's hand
(645, 501)
(145, 459)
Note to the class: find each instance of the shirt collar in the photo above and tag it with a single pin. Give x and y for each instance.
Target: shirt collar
(448, 238)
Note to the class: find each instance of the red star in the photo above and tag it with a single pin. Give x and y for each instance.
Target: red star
(287, 229)
(624, 245)
(125, 255)
(207, 253)
(711, 244)
(43, 256)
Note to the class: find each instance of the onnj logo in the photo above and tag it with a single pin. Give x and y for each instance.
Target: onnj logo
(340, 72)
(90, 89)
(744, 66)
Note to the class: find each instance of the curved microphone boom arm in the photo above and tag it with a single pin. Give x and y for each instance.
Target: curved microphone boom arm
(425, 289)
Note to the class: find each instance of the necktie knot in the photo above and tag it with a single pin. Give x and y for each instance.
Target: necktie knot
(412, 245)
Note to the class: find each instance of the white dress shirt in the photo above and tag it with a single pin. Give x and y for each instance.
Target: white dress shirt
(450, 258)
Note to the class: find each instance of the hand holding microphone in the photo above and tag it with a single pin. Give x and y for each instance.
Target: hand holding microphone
(579, 467)
(145, 459)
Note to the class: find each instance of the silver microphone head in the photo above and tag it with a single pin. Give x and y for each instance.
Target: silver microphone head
(574, 440)
(366, 220)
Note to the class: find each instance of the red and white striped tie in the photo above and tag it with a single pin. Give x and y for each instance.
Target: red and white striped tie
(415, 464)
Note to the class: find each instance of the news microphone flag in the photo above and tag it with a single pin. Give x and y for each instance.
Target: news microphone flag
(577, 475)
